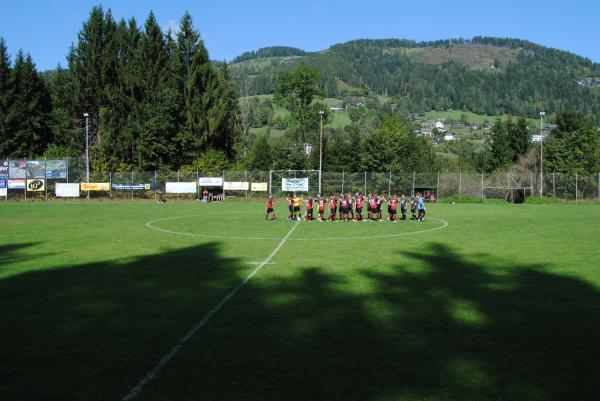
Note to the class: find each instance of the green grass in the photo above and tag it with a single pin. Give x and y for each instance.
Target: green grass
(456, 115)
(503, 304)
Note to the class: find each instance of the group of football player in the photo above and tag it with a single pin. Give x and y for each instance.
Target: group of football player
(349, 207)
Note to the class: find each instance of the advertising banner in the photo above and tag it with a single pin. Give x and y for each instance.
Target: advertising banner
(294, 184)
(210, 181)
(95, 186)
(64, 190)
(36, 169)
(259, 186)
(17, 169)
(4, 169)
(181, 187)
(36, 185)
(236, 186)
(3, 192)
(56, 169)
(2, 183)
(16, 184)
(131, 187)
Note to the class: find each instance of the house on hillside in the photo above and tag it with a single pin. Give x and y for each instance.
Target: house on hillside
(457, 124)
(336, 106)
(548, 128)
(439, 125)
(426, 123)
(487, 126)
(426, 131)
(472, 125)
(449, 137)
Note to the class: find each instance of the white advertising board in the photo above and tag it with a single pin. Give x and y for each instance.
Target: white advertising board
(294, 184)
(3, 191)
(236, 186)
(181, 187)
(210, 181)
(259, 187)
(64, 190)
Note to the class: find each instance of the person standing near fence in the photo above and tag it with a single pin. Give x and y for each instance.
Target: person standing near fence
(413, 208)
(359, 207)
(290, 200)
(332, 208)
(309, 209)
(403, 206)
(296, 201)
(351, 205)
(393, 208)
(321, 203)
(421, 207)
(270, 208)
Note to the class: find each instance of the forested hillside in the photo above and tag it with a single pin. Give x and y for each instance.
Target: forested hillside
(485, 75)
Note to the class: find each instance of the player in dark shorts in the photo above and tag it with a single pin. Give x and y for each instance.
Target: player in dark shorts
(270, 208)
(332, 208)
(296, 203)
(413, 208)
(372, 206)
(290, 200)
(321, 203)
(309, 209)
(342, 197)
(393, 208)
(379, 201)
(351, 201)
(359, 207)
(403, 207)
(389, 204)
(345, 207)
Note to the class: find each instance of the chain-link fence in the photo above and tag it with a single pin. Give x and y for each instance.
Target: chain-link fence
(38, 180)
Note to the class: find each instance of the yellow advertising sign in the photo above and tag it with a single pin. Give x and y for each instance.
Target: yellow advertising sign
(95, 186)
(36, 185)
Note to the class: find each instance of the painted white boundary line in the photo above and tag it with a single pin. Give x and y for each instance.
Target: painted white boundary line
(134, 392)
(150, 225)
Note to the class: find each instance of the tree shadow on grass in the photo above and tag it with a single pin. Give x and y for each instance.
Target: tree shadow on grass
(12, 253)
(454, 329)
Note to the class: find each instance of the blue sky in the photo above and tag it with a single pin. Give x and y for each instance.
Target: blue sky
(229, 27)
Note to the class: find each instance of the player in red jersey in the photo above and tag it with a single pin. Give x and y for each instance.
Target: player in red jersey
(345, 207)
(359, 207)
(270, 208)
(321, 203)
(309, 209)
(393, 208)
(332, 208)
(290, 200)
(372, 207)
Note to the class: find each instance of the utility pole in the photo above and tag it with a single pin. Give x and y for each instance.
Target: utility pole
(87, 150)
(321, 112)
(542, 114)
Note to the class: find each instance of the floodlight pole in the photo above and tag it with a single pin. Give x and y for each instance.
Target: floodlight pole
(87, 150)
(321, 112)
(542, 114)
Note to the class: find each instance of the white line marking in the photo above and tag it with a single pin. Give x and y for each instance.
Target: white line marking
(150, 225)
(151, 375)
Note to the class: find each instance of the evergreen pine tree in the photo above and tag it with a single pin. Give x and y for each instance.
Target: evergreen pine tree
(5, 92)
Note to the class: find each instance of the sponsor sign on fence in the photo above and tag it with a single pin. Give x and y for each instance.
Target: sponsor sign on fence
(16, 184)
(36, 185)
(236, 185)
(36, 169)
(17, 169)
(3, 192)
(4, 170)
(181, 187)
(95, 186)
(64, 190)
(294, 184)
(131, 187)
(210, 181)
(56, 169)
(259, 186)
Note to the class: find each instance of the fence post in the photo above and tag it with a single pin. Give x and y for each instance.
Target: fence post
(110, 184)
(437, 188)
(365, 193)
(576, 194)
(197, 185)
(343, 176)
(223, 185)
(271, 182)
(553, 186)
(45, 178)
(25, 187)
(598, 186)
(531, 182)
(482, 185)
(131, 184)
(460, 184)
(413, 184)
(246, 178)
(390, 185)
(7, 176)
(155, 187)
(67, 169)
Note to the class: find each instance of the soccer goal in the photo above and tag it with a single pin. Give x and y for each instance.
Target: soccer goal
(508, 186)
(287, 181)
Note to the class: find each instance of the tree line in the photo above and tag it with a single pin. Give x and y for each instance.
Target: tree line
(154, 99)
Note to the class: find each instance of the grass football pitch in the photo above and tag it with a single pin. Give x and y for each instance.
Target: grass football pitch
(110, 301)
